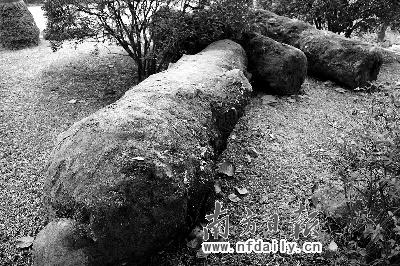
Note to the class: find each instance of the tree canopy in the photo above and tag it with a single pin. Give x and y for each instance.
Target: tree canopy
(341, 16)
(152, 32)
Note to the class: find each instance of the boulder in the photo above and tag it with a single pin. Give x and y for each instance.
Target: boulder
(277, 68)
(348, 62)
(137, 173)
(17, 26)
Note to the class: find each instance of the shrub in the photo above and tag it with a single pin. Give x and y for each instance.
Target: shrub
(369, 171)
(17, 26)
(152, 32)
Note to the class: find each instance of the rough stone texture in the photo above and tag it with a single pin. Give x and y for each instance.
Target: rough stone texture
(390, 55)
(137, 173)
(61, 241)
(17, 26)
(348, 62)
(277, 68)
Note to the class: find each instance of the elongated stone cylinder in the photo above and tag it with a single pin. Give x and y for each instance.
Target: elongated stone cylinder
(348, 62)
(137, 173)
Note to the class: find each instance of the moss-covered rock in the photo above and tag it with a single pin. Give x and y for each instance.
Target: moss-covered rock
(277, 68)
(137, 173)
(350, 63)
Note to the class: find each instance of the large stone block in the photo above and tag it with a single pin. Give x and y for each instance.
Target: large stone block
(277, 68)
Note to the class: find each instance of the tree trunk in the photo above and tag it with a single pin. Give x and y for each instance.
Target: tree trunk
(348, 62)
(382, 32)
(17, 26)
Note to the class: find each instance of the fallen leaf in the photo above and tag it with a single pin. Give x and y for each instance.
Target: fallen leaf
(252, 152)
(272, 136)
(340, 90)
(227, 168)
(185, 180)
(73, 101)
(168, 171)
(264, 199)
(333, 246)
(242, 191)
(203, 151)
(217, 188)
(302, 97)
(269, 99)
(24, 242)
(234, 198)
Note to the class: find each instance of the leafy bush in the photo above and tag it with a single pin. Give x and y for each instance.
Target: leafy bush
(17, 26)
(152, 32)
(190, 32)
(369, 170)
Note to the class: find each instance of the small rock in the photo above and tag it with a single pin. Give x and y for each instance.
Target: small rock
(333, 246)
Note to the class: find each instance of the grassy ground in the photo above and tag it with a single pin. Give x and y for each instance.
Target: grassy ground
(41, 94)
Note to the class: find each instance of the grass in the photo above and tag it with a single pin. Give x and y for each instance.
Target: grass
(36, 86)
